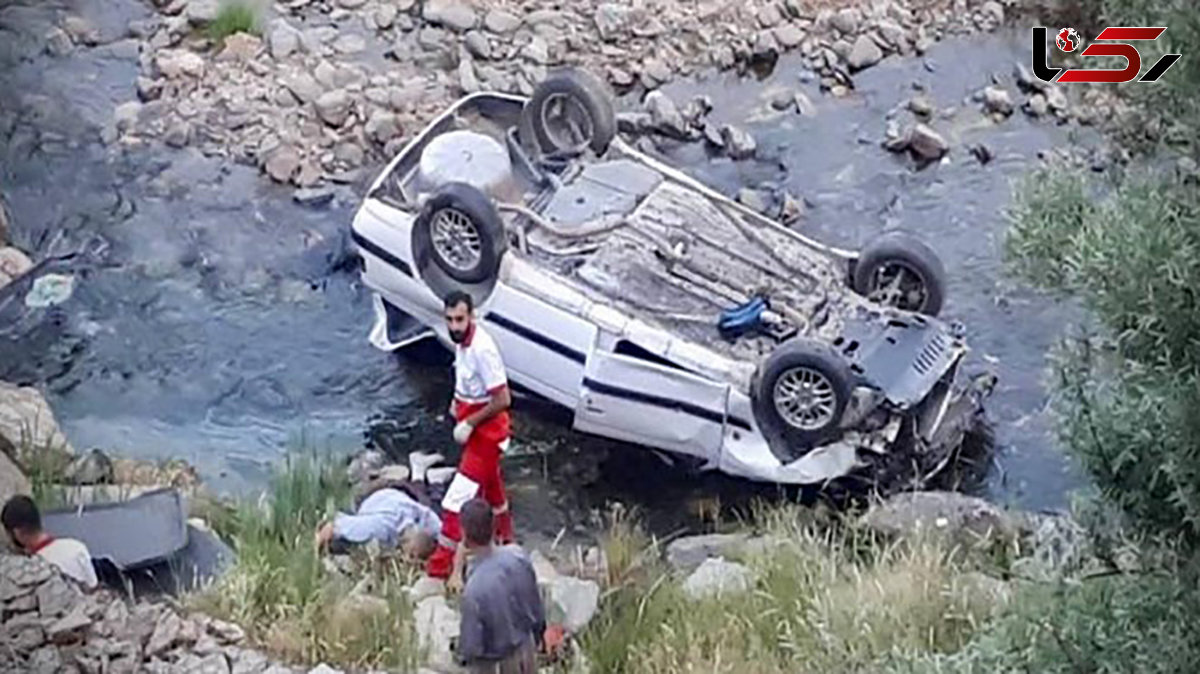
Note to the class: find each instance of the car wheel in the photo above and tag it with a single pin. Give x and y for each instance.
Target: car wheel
(461, 230)
(569, 111)
(899, 270)
(799, 395)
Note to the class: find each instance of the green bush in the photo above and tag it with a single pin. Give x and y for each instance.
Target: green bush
(234, 17)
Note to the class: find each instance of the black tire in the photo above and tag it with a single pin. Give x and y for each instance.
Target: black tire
(786, 438)
(462, 206)
(574, 86)
(895, 250)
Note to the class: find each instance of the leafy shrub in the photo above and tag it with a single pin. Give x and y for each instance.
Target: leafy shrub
(234, 17)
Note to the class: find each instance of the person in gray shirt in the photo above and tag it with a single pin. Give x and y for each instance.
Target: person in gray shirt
(503, 619)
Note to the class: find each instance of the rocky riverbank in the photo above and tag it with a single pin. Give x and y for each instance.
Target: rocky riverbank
(328, 87)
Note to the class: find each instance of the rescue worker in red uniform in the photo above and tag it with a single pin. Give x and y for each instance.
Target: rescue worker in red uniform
(480, 409)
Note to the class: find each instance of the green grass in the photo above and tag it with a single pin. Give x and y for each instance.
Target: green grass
(827, 599)
(282, 594)
(234, 17)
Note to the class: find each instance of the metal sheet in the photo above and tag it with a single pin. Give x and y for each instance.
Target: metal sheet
(141, 531)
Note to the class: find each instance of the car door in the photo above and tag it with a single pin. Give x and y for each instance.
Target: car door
(632, 394)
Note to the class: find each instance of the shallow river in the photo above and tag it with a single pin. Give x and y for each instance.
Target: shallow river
(216, 320)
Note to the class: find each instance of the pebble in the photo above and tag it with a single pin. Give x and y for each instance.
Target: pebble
(501, 22)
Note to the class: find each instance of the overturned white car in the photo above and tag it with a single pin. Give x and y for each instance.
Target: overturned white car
(658, 310)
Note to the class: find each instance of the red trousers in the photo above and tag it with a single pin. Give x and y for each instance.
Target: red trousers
(479, 475)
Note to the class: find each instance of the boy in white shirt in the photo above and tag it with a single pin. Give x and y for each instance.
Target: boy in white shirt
(23, 523)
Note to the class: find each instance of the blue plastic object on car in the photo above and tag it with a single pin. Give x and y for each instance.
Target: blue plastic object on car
(743, 318)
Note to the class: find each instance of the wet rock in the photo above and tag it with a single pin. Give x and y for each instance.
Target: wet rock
(664, 115)
(477, 44)
(864, 54)
(283, 163)
(27, 421)
(996, 100)
(950, 515)
(690, 551)
(313, 197)
(572, 602)
(756, 200)
(926, 143)
(739, 144)
(178, 63)
(921, 105)
(501, 22)
(455, 15)
(333, 107)
(715, 578)
(1037, 106)
(282, 40)
(436, 624)
(93, 467)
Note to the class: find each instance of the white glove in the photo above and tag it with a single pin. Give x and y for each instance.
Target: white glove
(462, 431)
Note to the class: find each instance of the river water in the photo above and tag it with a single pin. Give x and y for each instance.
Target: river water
(216, 320)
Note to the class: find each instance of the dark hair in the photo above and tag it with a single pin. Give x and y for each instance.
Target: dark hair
(22, 513)
(476, 519)
(457, 297)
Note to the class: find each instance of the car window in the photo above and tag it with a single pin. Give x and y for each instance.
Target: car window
(625, 347)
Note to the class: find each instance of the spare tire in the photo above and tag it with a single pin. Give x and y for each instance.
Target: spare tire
(900, 270)
(460, 228)
(799, 394)
(569, 111)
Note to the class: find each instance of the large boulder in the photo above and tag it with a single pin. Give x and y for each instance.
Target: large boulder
(689, 552)
(717, 578)
(571, 602)
(950, 516)
(27, 421)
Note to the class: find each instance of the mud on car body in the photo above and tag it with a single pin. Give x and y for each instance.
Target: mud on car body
(658, 310)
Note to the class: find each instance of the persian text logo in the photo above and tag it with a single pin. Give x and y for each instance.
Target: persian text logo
(1068, 40)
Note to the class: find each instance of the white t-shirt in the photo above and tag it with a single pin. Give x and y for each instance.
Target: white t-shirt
(72, 558)
(478, 368)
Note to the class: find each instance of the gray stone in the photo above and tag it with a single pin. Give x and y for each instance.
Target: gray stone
(926, 143)
(58, 42)
(1037, 105)
(688, 552)
(789, 35)
(282, 40)
(282, 163)
(425, 587)
(246, 661)
(178, 134)
(892, 33)
(452, 14)
(170, 632)
(739, 144)
(126, 114)
(178, 63)
(921, 105)
(149, 89)
(537, 50)
(655, 72)
(477, 43)
(769, 15)
(436, 624)
(214, 663)
(226, 632)
(385, 16)
(754, 199)
(572, 602)
(864, 54)
(23, 634)
(324, 669)
(382, 127)
(716, 578)
(56, 596)
(997, 100)
(612, 20)
(93, 467)
(765, 45)
(80, 30)
(664, 115)
(501, 22)
(1025, 79)
(349, 43)
(303, 86)
(71, 626)
(846, 20)
(50, 290)
(994, 12)
(961, 518)
(201, 12)
(25, 571)
(1056, 98)
(351, 4)
(313, 196)
(791, 211)
(26, 419)
(45, 660)
(333, 107)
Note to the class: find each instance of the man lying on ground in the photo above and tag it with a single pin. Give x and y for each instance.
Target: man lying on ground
(392, 512)
(23, 522)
